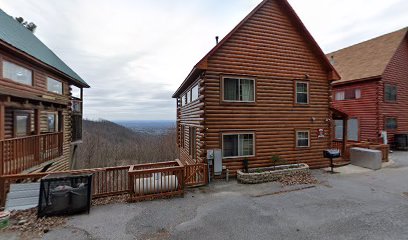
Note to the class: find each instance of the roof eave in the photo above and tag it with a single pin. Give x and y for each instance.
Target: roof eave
(344, 82)
(12, 48)
(194, 73)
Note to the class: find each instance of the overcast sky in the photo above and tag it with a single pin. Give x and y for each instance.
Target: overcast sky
(135, 53)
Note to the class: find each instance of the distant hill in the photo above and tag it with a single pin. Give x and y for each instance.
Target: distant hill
(148, 126)
(109, 144)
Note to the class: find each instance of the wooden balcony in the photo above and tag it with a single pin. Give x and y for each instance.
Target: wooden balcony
(19, 154)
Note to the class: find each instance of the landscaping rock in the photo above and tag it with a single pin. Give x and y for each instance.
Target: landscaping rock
(270, 174)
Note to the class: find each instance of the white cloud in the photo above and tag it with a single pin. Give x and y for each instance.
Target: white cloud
(135, 54)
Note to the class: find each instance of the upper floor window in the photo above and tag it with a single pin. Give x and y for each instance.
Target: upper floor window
(17, 73)
(54, 86)
(391, 123)
(183, 100)
(194, 93)
(348, 94)
(302, 92)
(390, 93)
(238, 145)
(239, 90)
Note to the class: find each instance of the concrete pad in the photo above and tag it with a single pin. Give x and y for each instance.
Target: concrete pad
(367, 158)
(352, 169)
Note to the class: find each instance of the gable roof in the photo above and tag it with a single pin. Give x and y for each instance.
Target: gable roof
(16, 35)
(366, 60)
(202, 64)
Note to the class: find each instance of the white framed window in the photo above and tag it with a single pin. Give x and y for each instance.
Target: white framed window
(194, 93)
(183, 100)
(348, 94)
(188, 94)
(54, 86)
(340, 96)
(238, 90)
(302, 138)
(302, 92)
(238, 145)
(22, 124)
(17, 73)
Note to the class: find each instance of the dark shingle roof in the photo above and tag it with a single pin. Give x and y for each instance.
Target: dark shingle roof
(16, 35)
(367, 59)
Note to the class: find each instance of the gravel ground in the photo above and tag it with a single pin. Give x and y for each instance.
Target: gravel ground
(372, 205)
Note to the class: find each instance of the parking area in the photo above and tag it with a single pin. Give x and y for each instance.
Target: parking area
(369, 205)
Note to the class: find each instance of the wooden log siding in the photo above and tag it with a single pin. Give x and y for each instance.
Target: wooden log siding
(396, 73)
(192, 115)
(270, 49)
(38, 89)
(365, 109)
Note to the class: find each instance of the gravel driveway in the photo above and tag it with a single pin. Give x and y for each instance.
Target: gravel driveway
(371, 205)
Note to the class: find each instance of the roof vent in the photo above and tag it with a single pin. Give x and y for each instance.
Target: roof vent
(216, 40)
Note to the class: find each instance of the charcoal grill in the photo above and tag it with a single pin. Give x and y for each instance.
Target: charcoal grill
(331, 154)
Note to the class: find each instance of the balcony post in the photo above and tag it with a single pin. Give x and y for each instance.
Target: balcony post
(2, 119)
(2, 136)
(37, 131)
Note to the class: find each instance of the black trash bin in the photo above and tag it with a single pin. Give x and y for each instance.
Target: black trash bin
(64, 195)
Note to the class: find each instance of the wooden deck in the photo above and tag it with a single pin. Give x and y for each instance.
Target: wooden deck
(20, 154)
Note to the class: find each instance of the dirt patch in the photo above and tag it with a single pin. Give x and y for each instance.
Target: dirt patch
(109, 200)
(298, 179)
(29, 226)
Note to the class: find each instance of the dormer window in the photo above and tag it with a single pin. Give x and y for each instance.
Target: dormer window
(17, 73)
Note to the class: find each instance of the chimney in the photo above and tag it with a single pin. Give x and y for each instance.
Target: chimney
(332, 60)
(216, 40)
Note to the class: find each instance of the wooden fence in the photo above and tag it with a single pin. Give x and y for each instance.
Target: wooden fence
(142, 181)
(156, 180)
(195, 174)
(19, 154)
(105, 182)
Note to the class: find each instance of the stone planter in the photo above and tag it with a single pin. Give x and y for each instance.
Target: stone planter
(270, 174)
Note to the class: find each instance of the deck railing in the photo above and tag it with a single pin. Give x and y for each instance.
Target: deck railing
(19, 154)
(195, 174)
(105, 182)
(156, 180)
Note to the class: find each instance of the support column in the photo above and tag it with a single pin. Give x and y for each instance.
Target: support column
(37, 121)
(345, 137)
(2, 121)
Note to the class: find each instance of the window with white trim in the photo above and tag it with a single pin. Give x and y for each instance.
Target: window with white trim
(348, 94)
(238, 145)
(17, 73)
(302, 138)
(302, 92)
(194, 93)
(239, 90)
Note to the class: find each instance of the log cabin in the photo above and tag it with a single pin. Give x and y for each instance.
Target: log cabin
(374, 78)
(40, 103)
(262, 91)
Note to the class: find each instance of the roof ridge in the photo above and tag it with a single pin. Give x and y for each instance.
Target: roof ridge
(368, 40)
